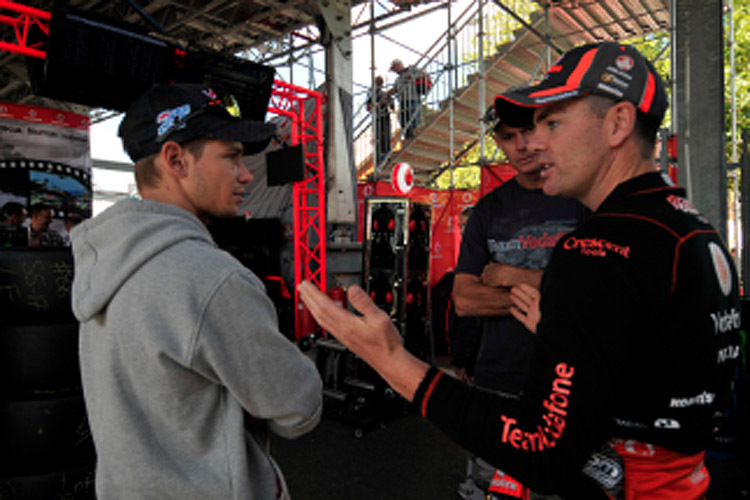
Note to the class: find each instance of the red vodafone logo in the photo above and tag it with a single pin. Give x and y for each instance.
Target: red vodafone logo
(721, 266)
(402, 178)
(624, 62)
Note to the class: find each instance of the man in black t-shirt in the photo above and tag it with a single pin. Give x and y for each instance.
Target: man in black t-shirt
(508, 240)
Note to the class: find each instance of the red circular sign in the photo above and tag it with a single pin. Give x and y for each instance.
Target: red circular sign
(402, 178)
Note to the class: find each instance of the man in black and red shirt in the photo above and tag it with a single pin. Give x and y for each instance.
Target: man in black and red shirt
(640, 315)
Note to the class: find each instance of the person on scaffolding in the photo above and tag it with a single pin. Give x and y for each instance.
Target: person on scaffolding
(381, 116)
(409, 102)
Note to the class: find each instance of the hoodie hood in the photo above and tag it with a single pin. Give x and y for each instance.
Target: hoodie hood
(105, 255)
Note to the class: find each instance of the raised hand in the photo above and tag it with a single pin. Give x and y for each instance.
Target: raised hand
(372, 336)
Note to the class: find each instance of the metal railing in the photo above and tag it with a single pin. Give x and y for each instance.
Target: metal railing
(452, 61)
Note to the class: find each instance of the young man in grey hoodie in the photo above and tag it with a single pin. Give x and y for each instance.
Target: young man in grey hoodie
(184, 369)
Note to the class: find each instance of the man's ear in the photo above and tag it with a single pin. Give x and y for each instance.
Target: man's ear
(173, 159)
(622, 117)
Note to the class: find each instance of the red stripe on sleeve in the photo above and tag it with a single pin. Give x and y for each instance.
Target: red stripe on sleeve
(428, 393)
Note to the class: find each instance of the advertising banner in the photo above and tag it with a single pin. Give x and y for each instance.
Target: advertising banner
(45, 159)
(446, 205)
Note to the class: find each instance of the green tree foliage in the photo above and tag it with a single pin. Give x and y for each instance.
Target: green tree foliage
(742, 69)
(655, 47)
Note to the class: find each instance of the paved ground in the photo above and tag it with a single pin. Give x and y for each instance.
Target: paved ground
(408, 459)
(405, 459)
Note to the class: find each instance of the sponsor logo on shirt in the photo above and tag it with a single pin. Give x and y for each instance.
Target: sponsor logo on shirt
(505, 485)
(632, 447)
(630, 424)
(721, 266)
(543, 241)
(527, 242)
(596, 247)
(729, 352)
(682, 204)
(666, 423)
(699, 474)
(606, 471)
(725, 321)
(545, 436)
(704, 398)
(686, 206)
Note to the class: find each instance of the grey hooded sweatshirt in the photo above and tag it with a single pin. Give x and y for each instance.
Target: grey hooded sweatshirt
(180, 353)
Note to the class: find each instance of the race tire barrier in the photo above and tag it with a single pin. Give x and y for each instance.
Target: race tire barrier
(39, 359)
(35, 285)
(76, 482)
(40, 434)
(46, 449)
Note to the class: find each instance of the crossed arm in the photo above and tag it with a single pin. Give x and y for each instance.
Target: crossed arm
(489, 294)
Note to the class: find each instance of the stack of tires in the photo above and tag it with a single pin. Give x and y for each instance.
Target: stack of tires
(46, 449)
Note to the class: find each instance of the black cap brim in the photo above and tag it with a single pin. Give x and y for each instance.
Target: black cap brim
(513, 115)
(253, 135)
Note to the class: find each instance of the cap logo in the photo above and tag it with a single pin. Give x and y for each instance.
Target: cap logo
(624, 63)
(171, 118)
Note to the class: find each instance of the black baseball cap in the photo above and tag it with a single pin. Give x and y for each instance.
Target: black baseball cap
(184, 112)
(608, 69)
(502, 111)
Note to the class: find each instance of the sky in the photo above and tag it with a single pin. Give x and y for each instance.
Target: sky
(418, 34)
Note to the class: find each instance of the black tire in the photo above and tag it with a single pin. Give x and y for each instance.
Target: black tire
(41, 434)
(73, 483)
(39, 359)
(35, 284)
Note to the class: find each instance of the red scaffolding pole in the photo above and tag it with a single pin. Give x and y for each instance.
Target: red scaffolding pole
(26, 19)
(303, 108)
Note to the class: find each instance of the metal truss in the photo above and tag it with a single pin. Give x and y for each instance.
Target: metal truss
(303, 110)
(27, 20)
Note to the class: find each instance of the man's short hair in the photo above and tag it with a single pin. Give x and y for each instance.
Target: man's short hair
(73, 218)
(12, 208)
(38, 208)
(646, 127)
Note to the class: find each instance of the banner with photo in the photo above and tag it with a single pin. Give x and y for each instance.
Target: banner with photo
(45, 158)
